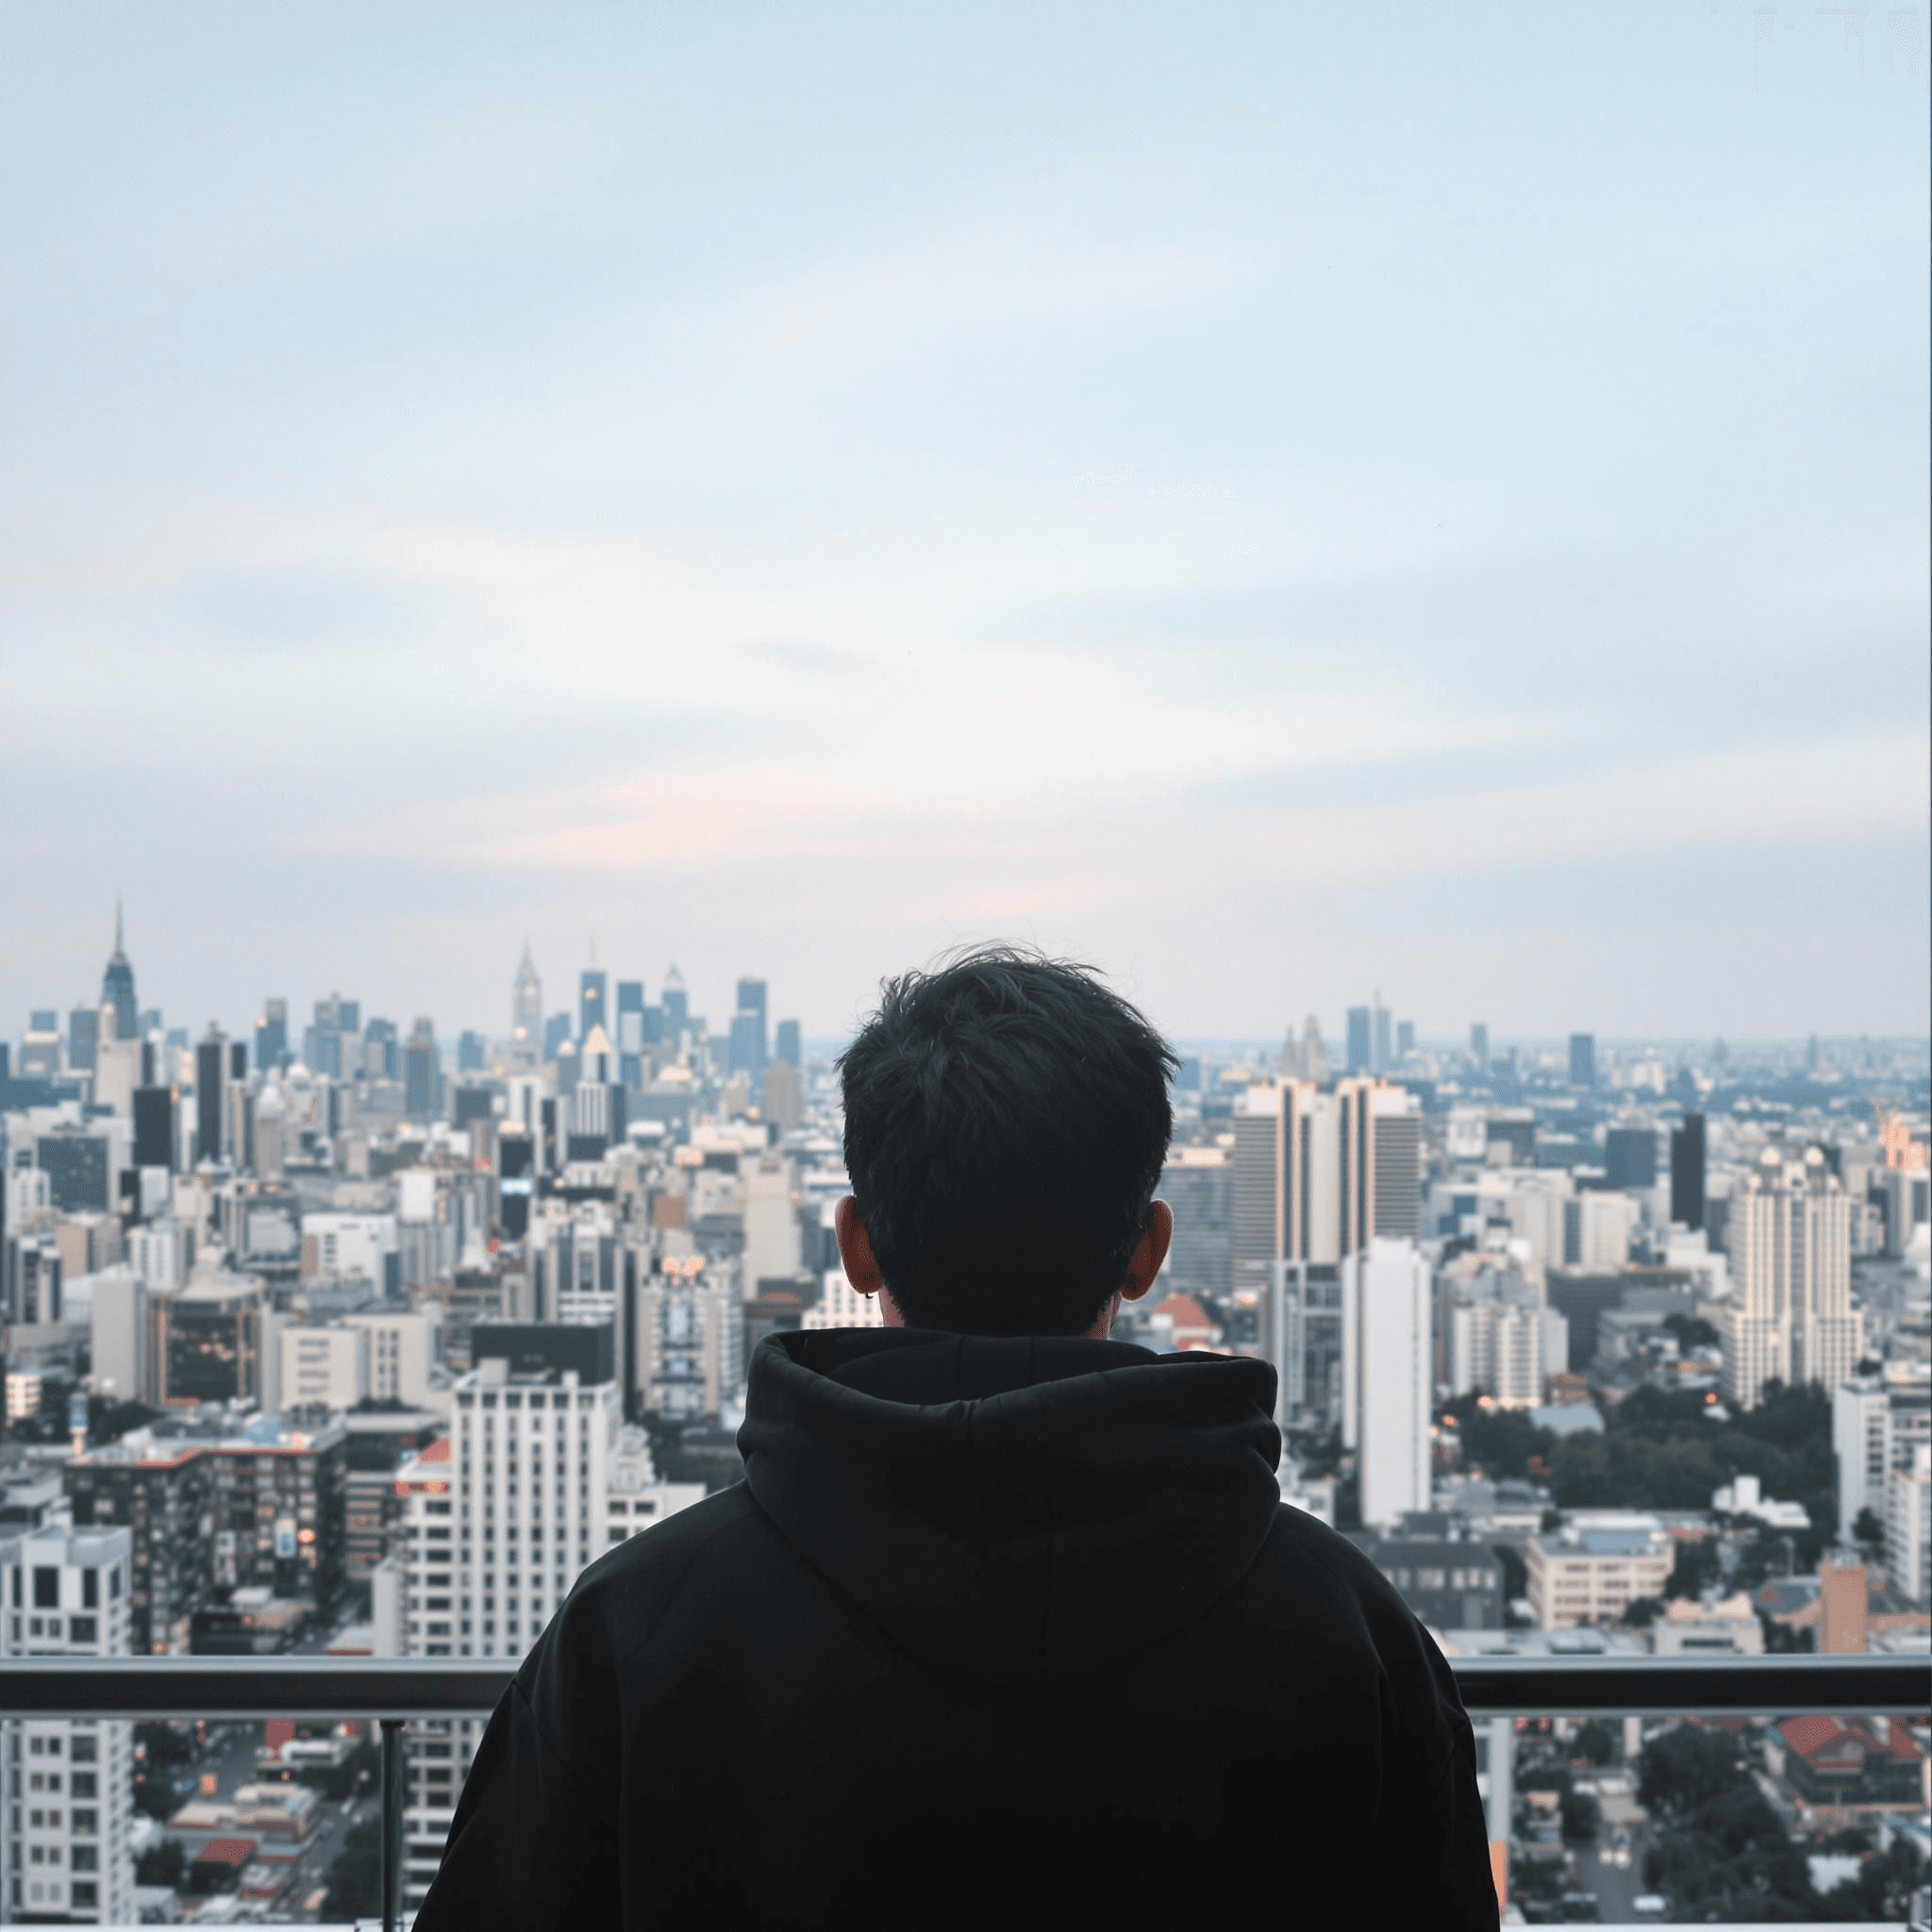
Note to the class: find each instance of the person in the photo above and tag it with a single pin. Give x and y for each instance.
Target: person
(1006, 1621)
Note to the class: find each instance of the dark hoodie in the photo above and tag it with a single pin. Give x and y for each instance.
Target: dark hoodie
(992, 1628)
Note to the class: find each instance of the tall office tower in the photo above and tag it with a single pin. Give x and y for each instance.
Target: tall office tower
(791, 1044)
(1361, 1039)
(1687, 1172)
(674, 1003)
(1479, 1044)
(1318, 1175)
(422, 1075)
(472, 1052)
(1313, 1060)
(117, 987)
(557, 1035)
(749, 1047)
(1583, 1059)
(83, 1037)
(525, 1011)
(272, 1036)
(1630, 1157)
(1198, 1184)
(381, 1057)
(593, 1001)
(1405, 1039)
(631, 1028)
(1384, 1055)
(1385, 1377)
(211, 1113)
(499, 1520)
(1596, 1228)
(1790, 1317)
(153, 1128)
(67, 1856)
(784, 1096)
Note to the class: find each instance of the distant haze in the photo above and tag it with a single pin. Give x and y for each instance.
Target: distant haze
(1279, 502)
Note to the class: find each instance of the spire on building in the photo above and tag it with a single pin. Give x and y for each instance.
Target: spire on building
(117, 983)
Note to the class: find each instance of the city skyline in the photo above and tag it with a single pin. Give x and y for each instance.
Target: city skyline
(1213, 506)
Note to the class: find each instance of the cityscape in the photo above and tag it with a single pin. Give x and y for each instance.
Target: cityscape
(342, 1337)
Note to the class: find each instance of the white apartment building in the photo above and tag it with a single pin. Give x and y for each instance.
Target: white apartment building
(771, 1245)
(404, 1344)
(66, 1853)
(840, 1306)
(1385, 1377)
(1790, 1317)
(634, 1499)
(501, 1517)
(1909, 1500)
(354, 1245)
(1597, 1563)
(691, 1337)
(1877, 1424)
(324, 1367)
(1504, 1345)
(1596, 1228)
(162, 1253)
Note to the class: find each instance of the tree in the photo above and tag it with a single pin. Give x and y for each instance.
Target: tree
(1866, 1530)
(1641, 1613)
(1692, 1331)
(1696, 1565)
(1582, 1815)
(1596, 1743)
(1688, 1766)
(163, 1864)
(159, 1745)
(355, 1873)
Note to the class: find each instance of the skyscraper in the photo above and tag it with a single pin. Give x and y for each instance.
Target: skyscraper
(1630, 1157)
(1405, 1039)
(1318, 1175)
(1687, 1172)
(210, 1077)
(593, 988)
(422, 1075)
(1790, 1317)
(675, 1002)
(83, 1038)
(525, 1011)
(117, 987)
(1361, 1039)
(272, 1036)
(1386, 1376)
(1479, 1044)
(1383, 1052)
(791, 1043)
(1583, 1059)
(749, 1049)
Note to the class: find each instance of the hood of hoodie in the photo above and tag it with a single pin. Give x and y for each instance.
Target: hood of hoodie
(1013, 1507)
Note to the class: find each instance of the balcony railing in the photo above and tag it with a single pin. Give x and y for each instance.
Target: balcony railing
(396, 1689)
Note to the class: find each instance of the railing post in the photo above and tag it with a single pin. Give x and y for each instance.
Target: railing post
(392, 1819)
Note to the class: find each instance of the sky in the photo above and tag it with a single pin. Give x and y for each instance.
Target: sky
(1279, 502)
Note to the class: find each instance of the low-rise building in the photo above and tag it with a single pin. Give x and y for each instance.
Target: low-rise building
(1843, 1769)
(1599, 1562)
(1727, 1627)
(1449, 1585)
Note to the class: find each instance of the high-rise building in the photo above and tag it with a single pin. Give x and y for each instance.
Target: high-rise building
(272, 1036)
(1583, 1059)
(117, 987)
(675, 1002)
(1405, 1039)
(1687, 1172)
(630, 1036)
(421, 1074)
(784, 1095)
(154, 1127)
(1361, 1039)
(749, 1045)
(1790, 1317)
(1386, 1376)
(593, 1002)
(500, 1518)
(557, 1035)
(83, 1037)
(210, 1114)
(525, 1011)
(1630, 1157)
(1384, 1055)
(67, 1856)
(1878, 1424)
(1318, 1175)
(789, 1046)
(1479, 1044)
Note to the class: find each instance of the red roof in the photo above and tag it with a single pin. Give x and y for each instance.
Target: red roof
(226, 1851)
(1824, 1739)
(1187, 1313)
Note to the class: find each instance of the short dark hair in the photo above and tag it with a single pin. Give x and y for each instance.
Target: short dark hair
(1006, 1117)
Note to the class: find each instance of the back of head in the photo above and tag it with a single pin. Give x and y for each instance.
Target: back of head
(1006, 1120)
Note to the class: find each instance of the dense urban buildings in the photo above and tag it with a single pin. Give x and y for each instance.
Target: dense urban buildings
(353, 1332)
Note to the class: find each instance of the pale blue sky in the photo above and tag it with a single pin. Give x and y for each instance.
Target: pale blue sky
(1276, 500)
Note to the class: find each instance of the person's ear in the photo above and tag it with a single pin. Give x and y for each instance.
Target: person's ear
(1150, 1253)
(855, 1248)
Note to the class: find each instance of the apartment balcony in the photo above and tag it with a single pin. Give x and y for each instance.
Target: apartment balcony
(397, 1692)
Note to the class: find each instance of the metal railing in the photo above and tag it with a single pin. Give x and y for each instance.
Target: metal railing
(396, 1689)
